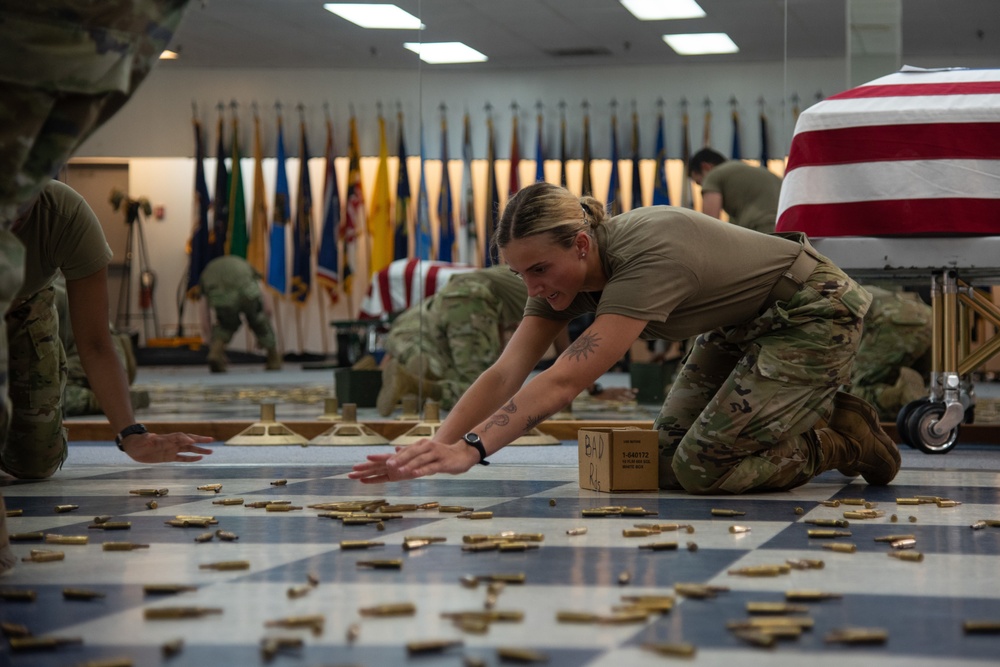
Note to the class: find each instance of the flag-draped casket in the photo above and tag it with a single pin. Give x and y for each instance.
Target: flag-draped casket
(913, 153)
(404, 283)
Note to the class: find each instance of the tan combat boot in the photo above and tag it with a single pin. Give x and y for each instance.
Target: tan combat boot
(398, 382)
(274, 360)
(855, 443)
(217, 356)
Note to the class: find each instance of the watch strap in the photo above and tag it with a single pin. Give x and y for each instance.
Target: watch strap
(472, 440)
(134, 429)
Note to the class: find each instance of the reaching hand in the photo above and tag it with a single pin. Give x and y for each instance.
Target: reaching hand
(153, 448)
(422, 458)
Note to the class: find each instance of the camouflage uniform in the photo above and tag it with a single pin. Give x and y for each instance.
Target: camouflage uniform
(898, 330)
(459, 332)
(740, 414)
(54, 96)
(232, 288)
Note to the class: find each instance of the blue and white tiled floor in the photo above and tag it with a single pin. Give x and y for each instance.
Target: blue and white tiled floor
(922, 605)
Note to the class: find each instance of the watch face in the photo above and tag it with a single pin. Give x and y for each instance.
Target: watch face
(471, 437)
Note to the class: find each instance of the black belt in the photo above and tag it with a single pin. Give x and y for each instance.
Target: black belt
(793, 278)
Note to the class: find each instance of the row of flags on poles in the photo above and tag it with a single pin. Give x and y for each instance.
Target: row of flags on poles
(222, 225)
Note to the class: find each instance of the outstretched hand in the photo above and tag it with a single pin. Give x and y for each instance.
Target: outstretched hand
(153, 448)
(422, 458)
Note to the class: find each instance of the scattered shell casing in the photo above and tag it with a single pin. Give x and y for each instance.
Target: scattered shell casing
(624, 578)
(204, 537)
(517, 546)
(981, 627)
(228, 501)
(638, 532)
(727, 512)
(426, 538)
(26, 537)
(739, 529)
(226, 565)
(174, 613)
(44, 556)
(152, 505)
(906, 543)
(279, 482)
(841, 547)
(476, 515)
(659, 546)
(858, 636)
(41, 643)
(14, 629)
(227, 535)
(944, 502)
(353, 632)
(829, 523)
(516, 578)
(830, 503)
(81, 594)
(18, 595)
(699, 591)
(672, 649)
(761, 570)
(552, 502)
(821, 533)
(171, 648)
(912, 519)
(692, 546)
(62, 509)
(977, 525)
(210, 487)
(314, 622)
(122, 546)
(111, 525)
(391, 609)
(805, 564)
(295, 592)
(799, 511)
(281, 507)
(431, 646)
(149, 492)
(65, 539)
(907, 501)
(582, 531)
(167, 589)
(808, 595)
(523, 655)
(413, 545)
(348, 545)
(894, 538)
(490, 545)
(776, 608)
(454, 509)
(13, 513)
(382, 564)
(914, 556)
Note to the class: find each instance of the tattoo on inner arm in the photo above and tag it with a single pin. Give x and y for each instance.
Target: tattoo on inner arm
(583, 346)
(500, 418)
(534, 421)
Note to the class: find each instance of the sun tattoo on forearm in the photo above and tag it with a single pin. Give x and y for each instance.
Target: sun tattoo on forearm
(533, 422)
(582, 347)
(500, 418)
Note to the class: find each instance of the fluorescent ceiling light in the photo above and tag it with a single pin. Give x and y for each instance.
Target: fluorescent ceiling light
(168, 55)
(375, 16)
(437, 53)
(660, 10)
(701, 43)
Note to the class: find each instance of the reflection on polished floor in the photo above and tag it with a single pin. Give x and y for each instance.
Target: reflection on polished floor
(298, 571)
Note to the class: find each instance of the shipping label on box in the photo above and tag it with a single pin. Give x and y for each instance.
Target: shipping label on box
(618, 459)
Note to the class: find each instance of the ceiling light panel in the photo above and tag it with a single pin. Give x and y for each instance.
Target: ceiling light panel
(662, 10)
(699, 44)
(439, 53)
(383, 17)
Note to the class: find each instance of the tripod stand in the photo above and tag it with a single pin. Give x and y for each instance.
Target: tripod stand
(134, 210)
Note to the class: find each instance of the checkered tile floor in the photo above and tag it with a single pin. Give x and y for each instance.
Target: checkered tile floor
(920, 605)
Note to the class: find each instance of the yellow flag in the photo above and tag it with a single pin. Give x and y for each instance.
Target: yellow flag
(256, 253)
(379, 222)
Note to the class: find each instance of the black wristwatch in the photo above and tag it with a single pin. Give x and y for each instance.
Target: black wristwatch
(134, 429)
(473, 440)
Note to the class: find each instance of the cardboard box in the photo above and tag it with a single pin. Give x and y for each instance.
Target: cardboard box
(618, 459)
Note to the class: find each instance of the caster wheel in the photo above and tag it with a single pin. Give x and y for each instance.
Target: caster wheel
(903, 416)
(918, 427)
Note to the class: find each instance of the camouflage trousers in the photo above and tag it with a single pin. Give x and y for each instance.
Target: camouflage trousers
(78, 397)
(739, 416)
(451, 339)
(227, 318)
(898, 333)
(35, 446)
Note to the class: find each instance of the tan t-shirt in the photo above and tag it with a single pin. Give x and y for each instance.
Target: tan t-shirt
(60, 233)
(749, 194)
(682, 271)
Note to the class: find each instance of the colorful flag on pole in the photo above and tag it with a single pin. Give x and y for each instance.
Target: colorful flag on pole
(354, 211)
(515, 156)
(302, 231)
(468, 248)
(492, 196)
(737, 152)
(562, 144)
(424, 240)
(401, 236)
(328, 259)
(687, 199)
(380, 225)
(446, 215)
(614, 203)
(220, 202)
(587, 183)
(257, 247)
(539, 151)
(277, 262)
(200, 249)
(236, 238)
(636, 177)
(661, 193)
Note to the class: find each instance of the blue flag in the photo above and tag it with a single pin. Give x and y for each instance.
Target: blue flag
(220, 206)
(302, 231)
(614, 203)
(424, 241)
(764, 152)
(661, 194)
(200, 249)
(636, 177)
(401, 236)
(328, 259)
(277, 263)
(446, 237)
(539, 154)
(492, 199)
(737, 152)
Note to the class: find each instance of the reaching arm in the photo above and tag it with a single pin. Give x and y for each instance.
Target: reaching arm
(499, 421)
(88, 308)
(711, 204)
